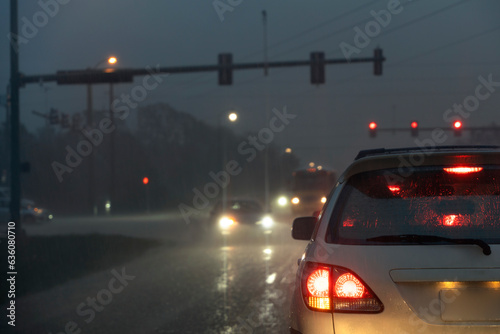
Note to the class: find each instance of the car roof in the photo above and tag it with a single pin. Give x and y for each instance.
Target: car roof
(409, 157)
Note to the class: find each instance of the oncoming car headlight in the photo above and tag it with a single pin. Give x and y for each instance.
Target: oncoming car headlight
(323, 199)
(267, 222)
(282, 201)
(295, 200)
(226, 222)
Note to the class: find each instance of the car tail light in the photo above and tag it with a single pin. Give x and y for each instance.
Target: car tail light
(462, 170)
(348, 286)
(318, 288)
(394, 188)
(331, 288)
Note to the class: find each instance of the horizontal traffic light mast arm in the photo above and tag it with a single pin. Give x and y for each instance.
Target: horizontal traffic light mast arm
(469, 128)
(126, 75)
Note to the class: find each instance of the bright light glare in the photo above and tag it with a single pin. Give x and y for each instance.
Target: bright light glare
(457, 125)
(282, 201)
(112, 60)
(348, 286)
(323, 199)
(311, 164)
(288, 150)
(414, 125)
(267, 251)
(372, 125)
(267, 222)
(51, 216)
(225, 223)
(233, 117)
(295, 200)
(271, 278)
(463, 170)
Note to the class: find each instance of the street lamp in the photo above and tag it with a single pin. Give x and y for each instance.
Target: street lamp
(90, 122)
(232, 116)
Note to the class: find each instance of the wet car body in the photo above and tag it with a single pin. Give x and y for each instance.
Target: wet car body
(368, 269)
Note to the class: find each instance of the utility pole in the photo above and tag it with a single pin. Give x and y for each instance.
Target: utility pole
(264, 22)
(112, 197)
(90, 125)
(267, 207)
(15, 173)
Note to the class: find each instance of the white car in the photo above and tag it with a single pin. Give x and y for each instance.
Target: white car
(408, 242)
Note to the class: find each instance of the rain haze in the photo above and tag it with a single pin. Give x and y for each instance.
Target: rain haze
(441, 65)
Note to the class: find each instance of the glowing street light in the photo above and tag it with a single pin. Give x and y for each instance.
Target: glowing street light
(233, 117)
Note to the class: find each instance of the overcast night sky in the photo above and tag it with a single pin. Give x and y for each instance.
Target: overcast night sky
(435, 50)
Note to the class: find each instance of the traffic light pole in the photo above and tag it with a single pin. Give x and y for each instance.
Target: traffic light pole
(90, 124)
(15, 164)
(126, 75)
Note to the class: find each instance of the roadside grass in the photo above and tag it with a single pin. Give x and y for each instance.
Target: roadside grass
(43, 262)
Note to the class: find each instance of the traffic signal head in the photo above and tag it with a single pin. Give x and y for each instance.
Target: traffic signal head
(225, 69)
(457, 128)
(378, 58)
(317, 68)
(373, 129)
(145, 180)
(414, 128)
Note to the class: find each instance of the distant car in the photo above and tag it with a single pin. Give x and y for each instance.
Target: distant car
(408, 242)
(30, 213)
(240, 212)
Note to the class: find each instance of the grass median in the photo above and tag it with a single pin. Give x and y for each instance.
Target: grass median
(43, 262)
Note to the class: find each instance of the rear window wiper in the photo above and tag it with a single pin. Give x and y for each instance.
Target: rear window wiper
(419, 238)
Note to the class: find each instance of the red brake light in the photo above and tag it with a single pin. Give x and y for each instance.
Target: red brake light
(330, 288)
(394, 188)
(318, 288)
(318, 283)
(462, 170)
(449, 220)
(348, 286)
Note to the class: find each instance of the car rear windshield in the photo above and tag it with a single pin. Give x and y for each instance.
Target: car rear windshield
(453, 203)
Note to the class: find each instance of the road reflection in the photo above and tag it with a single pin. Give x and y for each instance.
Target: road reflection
(250, 266)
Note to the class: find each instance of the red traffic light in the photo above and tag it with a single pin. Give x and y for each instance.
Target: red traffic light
(373, 129)
(457, 128)
(414, 128)
(145, 180)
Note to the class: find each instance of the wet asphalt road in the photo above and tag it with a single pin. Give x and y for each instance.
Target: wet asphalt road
(201, 283)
